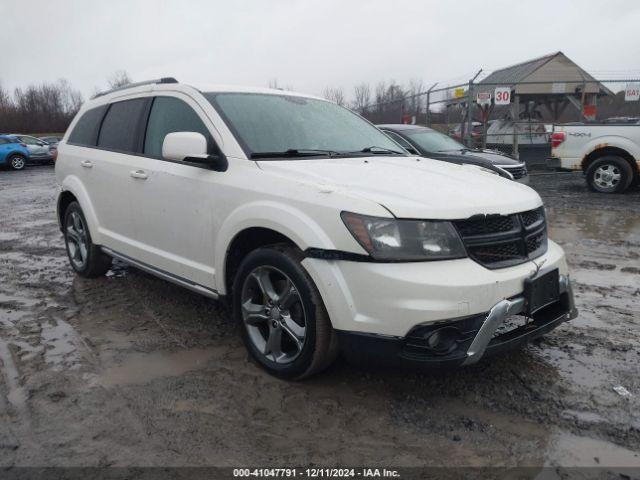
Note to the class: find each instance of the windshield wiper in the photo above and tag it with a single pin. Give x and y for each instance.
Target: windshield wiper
(294, 152)
(375, 149)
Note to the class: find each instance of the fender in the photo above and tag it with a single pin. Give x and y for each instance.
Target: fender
(285, 219)
(72, 184)
(608, 141)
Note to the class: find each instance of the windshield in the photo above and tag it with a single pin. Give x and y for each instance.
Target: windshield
(433, 141)
(267, 125)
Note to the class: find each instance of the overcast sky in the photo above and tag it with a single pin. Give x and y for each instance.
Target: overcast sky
(307, 44)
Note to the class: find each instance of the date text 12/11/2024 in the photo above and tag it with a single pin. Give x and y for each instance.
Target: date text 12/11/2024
(316, 473)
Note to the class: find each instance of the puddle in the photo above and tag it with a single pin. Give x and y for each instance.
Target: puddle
(60, 340)
(4, 236)
(16, 396)
(145, 367)
(570, 225)
(567, 450)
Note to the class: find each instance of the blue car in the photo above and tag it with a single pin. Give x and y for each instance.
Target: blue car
(13, 153)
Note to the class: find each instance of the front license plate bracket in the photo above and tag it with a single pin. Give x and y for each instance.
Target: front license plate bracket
(541, 291)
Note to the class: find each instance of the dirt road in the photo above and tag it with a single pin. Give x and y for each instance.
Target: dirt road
(131, 370)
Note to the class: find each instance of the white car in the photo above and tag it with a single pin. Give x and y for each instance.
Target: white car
(320, 230)
(608, 154)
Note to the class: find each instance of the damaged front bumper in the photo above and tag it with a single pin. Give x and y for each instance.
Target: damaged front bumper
(471, 338)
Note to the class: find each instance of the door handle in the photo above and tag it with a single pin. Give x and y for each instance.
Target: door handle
(86, 163)
(141, 174)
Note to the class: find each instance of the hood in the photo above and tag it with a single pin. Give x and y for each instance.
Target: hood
(478, 157)
(412, 187)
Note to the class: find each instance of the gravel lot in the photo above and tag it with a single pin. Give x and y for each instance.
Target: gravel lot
(131, 370)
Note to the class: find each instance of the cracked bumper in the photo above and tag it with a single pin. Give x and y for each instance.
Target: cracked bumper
(480, 335)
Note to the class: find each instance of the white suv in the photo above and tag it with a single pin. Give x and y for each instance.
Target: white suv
(320, 231)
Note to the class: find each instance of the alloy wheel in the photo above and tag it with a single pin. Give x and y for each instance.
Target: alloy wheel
(273, 314)
(607, 177)
(77, 240)
(17, 163)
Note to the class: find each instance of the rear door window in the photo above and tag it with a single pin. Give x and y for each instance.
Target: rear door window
(86, 129)
(120, 130)
(29, 140)
(170, 114)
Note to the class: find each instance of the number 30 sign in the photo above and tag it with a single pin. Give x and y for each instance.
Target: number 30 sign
(502, 96)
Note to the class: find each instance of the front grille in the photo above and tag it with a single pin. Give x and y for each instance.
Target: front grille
(475, 226)
(498, 241)
(517, 171)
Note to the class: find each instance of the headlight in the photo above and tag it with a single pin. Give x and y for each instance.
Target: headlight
(405, 240)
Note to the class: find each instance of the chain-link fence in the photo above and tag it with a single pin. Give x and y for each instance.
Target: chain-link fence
(513, 117)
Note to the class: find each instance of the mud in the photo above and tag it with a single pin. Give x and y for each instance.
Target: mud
(130, 370)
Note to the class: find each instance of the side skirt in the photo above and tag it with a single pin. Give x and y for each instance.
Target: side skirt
(183, 282)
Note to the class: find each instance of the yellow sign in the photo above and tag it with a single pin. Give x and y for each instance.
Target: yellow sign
(458, 93)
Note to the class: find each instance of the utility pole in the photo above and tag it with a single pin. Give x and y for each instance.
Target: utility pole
(469, 107)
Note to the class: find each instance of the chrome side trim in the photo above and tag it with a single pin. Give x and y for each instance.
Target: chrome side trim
(499, 313)
(194, 287)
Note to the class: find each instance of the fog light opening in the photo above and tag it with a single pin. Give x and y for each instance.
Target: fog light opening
(444, 340)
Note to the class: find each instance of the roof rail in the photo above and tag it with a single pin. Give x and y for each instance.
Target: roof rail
(137, 84)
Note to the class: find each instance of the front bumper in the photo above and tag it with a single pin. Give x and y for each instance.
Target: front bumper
(480, 335)
(393, 298)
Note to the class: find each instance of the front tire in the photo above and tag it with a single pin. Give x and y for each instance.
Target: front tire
(86, 259)
(17, 162)
(284, 323)
(609, 174)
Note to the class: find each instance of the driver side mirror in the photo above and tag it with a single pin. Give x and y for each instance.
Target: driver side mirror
(192, 147)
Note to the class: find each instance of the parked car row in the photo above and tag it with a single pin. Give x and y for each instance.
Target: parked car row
(17, 150)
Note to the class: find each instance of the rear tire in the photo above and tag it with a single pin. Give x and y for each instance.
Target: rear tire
(17, 162)
(283, 321)
(87, 259)
(609, 174)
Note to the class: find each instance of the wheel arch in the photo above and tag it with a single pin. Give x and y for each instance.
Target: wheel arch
(260, 224)
(73, 190)
(604, 150)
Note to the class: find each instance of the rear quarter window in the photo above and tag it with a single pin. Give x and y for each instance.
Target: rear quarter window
(86, 130)
(121, 126)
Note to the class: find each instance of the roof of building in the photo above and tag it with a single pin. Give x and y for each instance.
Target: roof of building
(557, 73)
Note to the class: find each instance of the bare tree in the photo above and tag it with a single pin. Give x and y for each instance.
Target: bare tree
(273, 83)
(48, 107)
(380, 96)
(120, 78)
(362, 95)
(334, 94)
(416, 86)
(5, 100)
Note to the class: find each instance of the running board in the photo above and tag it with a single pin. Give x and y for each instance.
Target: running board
(194, 287)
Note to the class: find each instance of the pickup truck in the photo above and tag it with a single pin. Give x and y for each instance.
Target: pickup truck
(608, 155)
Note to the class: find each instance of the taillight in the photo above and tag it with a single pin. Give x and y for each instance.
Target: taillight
(556, 139)
(23, 145)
